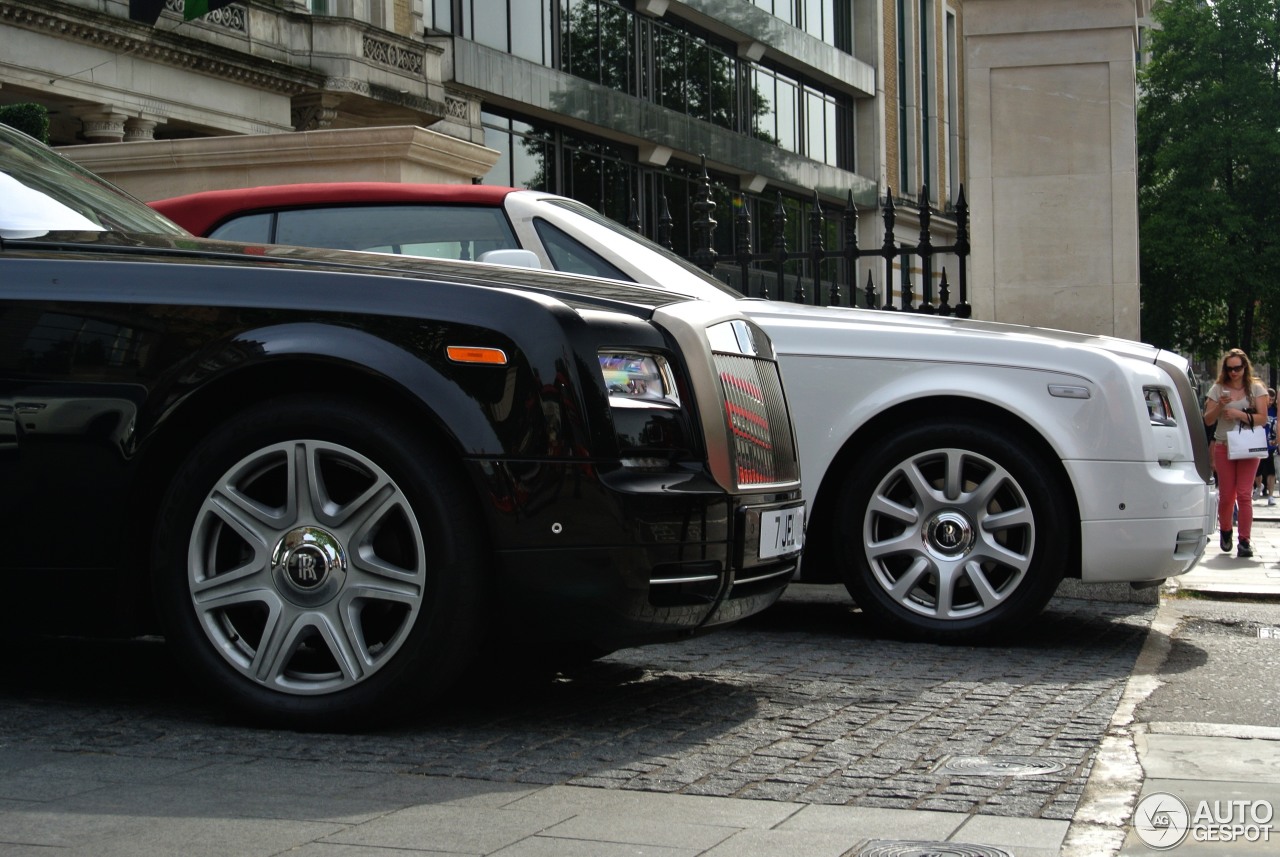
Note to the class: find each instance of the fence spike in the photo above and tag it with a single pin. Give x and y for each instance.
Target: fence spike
(889, 249)
(704, 225)
(665, 222)
(924, 251)
(849, 252)
(742, 244)
(816, 253)
(963, 310)
(780, 245)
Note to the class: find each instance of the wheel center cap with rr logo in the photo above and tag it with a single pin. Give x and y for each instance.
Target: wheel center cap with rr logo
(949, 534)
(309, 564)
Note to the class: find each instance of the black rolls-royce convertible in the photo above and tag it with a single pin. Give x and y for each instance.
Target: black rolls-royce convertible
(330, 478)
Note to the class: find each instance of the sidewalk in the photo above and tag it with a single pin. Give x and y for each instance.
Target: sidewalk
(1220, 574)
(1152, 771)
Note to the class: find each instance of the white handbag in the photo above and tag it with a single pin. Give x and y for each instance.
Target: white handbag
(1247, 442)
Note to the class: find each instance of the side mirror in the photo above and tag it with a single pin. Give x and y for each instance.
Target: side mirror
(518, 258)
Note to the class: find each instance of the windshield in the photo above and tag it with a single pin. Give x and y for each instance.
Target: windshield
(41, 192)
(667, 270)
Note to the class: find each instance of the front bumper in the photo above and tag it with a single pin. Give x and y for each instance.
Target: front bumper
(619, 558)
(1141, 522)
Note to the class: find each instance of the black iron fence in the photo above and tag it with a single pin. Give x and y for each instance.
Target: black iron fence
(762, 273)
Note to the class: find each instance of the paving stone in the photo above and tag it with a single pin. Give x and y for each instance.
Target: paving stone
(782, 707)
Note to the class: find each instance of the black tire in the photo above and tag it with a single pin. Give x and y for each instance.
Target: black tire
(997, 538)
(317, 566)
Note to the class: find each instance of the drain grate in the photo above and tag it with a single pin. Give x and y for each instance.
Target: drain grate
(892, 848)
(998, 766)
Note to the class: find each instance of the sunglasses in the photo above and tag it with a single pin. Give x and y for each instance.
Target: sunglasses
(1239, 367)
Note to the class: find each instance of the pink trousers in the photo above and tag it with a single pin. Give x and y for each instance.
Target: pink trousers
(1235, 489)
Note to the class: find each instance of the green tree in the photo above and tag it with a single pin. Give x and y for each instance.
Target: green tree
(30, 119)
(1209, 187)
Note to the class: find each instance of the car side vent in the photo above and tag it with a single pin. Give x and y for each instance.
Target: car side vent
(760, 428)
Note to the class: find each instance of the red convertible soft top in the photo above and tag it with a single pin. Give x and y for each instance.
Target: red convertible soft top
(199, 213)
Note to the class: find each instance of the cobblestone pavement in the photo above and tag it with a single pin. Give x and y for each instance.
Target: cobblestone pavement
(799, 704)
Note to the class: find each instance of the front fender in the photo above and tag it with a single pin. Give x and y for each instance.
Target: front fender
(270, 354)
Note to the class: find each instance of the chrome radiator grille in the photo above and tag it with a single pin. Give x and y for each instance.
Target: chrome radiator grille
(760, 435)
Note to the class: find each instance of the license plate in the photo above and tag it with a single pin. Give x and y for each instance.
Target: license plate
(781, 531)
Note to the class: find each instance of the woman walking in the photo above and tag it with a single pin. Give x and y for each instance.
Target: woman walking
(1236, 399)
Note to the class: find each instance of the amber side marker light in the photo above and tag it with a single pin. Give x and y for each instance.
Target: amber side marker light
(471, 354)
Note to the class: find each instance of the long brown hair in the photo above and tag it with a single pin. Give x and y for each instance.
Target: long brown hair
(1246, 378)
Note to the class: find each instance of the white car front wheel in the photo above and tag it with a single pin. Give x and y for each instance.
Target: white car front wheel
(962, 533)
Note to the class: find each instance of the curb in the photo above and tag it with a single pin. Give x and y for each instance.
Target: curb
(1105, 812)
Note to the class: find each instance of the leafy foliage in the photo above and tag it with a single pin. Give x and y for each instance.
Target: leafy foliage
(1208, 147)
(30, 119)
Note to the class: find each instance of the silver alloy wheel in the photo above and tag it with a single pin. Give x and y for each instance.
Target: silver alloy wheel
(306, 567)
(949, 534)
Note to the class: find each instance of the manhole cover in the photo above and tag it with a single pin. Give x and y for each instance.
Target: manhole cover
(891, 848)
(998, 766)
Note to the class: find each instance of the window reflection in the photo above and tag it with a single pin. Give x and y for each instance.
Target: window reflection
(670, 63)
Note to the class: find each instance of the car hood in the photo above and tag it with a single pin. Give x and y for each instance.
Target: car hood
(578, 291)
(839, 323)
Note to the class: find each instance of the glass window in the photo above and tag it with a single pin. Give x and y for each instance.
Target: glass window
(441, 15)
(440, 231)
(617, 49)
(776, 101)
(815, 144)
(580, 40)
(572, 256)
(526, 158)
(829, 20)
(249, 229)
(489, 23)
(787, 107)
(784, 9)
(764, 114)
(598, 43)
(500, 172)
(722, 104)
(532, 163)
(670, 69)
(531, 30)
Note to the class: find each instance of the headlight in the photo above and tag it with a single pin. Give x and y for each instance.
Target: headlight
(1159, 408)
(652, 429)
(643, 379)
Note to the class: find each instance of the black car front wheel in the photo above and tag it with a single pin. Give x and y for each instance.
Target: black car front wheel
(317, 565)
(957, 532)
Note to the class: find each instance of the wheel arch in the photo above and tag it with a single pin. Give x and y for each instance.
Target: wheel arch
(819, 563)
(187, 423)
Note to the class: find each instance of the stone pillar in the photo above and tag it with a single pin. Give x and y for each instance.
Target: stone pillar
(1050, 98)
(102, 123)
(139, 128)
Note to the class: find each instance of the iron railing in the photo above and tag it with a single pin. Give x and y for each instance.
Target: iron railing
(841, 291)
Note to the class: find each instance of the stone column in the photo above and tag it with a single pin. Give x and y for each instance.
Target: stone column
(139, 128)
(1050, 96)
(102, 123)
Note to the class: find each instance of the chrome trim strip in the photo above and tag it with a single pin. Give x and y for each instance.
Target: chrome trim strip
(789, 570)
(701, 578)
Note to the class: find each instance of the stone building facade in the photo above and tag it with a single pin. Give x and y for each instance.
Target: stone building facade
(620, 103)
